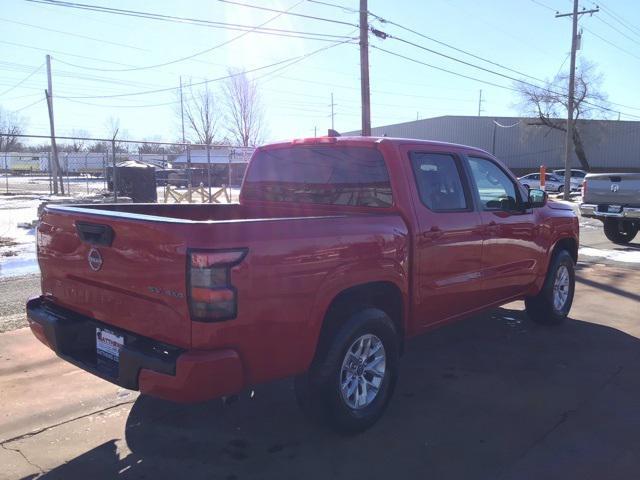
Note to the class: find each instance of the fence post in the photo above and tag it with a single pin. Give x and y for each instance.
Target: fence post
(86, 169)
(189, 173)
(104, 170)
(6, 171)
(209, 170)
(66, 161)
(231, 152)
(114, 175)
(49, 172)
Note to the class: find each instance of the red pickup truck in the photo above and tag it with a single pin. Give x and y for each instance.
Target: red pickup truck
(338, 250)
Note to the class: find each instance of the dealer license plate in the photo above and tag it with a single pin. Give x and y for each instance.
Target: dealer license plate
(108, 346)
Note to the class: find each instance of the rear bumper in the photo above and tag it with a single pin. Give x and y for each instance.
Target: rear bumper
(591, 210)
(154, 368)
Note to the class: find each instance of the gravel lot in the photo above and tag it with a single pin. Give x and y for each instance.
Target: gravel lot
(14, 293)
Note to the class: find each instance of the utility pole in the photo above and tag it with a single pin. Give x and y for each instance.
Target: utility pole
(57, 174)
(480, 103)
(182, 110)
(364, 69)
(570, 101)
(332, 113)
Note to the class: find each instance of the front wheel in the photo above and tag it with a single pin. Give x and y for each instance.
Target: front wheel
(352, 378)
(551, 306)
(620, 232)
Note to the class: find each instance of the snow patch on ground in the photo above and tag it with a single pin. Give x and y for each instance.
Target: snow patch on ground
(626, 256)
(18, 244)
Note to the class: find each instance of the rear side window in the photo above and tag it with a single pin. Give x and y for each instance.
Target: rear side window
(335, 175)
(439, 182)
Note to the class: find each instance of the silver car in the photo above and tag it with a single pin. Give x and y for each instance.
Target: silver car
(553, 183)
(577, 177)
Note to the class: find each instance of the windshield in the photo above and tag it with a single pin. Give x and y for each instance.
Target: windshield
(327, 175)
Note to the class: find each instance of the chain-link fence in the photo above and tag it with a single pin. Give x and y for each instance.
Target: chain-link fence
(179, 172)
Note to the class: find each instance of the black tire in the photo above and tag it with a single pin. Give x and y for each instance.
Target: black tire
(541, 308)
(318, 391)
(561, 189)
(619, 231)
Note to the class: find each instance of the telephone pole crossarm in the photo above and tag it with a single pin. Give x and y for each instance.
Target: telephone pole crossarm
(581, 12)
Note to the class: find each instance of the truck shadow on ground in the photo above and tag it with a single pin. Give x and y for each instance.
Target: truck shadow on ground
(492, 397)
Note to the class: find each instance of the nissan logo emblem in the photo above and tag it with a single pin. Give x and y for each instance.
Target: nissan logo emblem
(615, 187)
(95, 259)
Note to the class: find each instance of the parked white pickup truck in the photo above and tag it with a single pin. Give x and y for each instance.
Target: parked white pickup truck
(613, 198)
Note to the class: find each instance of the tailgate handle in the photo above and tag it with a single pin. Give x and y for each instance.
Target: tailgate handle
(95, 234)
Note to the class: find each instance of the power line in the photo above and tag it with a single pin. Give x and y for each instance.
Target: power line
(486, 82)
(189, 57)
(298, 61)
(118, 106)
(585, 102)
(592, 32)
(22, 81)
(77, 35)
(439, 42)
(59, 52)
(189, 21)
(30, 105)
(323, 19)
(205, 82)
(341, 7)
(621, 20)
(613, 27)
(544, 6)
(463, 61)
(611, 43)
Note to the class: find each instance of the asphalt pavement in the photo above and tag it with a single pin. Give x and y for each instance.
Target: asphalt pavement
(492, 397)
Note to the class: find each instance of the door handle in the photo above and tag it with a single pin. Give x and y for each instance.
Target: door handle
(433, 233)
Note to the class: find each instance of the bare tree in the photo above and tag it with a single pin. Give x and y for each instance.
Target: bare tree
(11, 126)
(548, 105)
(202, 115)
(77, 144)
(244, 113)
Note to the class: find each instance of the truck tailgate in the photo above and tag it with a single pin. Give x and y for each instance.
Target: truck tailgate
(613, 188)
(134, 280)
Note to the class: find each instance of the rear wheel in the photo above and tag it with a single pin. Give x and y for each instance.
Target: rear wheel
(561, 189)
(551, 306)
(352, 378)
(620, 231)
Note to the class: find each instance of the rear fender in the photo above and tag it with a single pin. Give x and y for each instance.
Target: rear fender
(345, 277)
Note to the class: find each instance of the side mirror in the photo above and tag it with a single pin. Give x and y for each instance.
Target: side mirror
(537, 198)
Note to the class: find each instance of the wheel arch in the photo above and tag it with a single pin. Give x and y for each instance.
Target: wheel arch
(383, 295)
(569, 244)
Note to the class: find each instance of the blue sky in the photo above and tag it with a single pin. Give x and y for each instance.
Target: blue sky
(520, 34)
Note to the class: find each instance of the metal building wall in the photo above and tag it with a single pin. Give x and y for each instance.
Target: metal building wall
(610, 145)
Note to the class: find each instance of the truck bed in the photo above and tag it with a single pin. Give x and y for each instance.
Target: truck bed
(141, 286)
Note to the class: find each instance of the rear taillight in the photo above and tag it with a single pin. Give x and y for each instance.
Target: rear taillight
(212, 296)
(584, 189)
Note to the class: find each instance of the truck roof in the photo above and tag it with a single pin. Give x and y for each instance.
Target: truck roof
(373, 141)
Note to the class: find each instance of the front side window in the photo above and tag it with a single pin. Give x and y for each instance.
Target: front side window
(325, 175)
(439, 182)
(495, 188)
